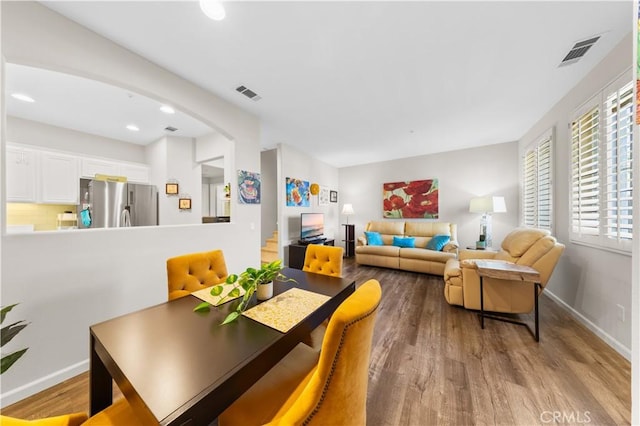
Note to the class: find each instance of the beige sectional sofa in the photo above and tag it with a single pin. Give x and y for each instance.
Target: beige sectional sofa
(417, 259)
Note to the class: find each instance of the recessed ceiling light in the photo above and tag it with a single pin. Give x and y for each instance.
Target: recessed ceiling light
(22, 97)
(213, 9)
(167, 109)
(133, 127)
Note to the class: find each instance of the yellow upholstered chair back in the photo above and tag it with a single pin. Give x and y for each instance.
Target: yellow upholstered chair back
(336, 393)
(195, 271)
(117, 414)
(326, 260)
(75, 419)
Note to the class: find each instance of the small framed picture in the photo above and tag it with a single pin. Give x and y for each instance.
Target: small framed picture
(171, 188)
(184, 203)
(333, 196)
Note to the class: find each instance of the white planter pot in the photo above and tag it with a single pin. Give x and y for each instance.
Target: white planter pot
(265, 291)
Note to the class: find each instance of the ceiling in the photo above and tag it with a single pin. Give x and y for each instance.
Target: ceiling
(359, 82)
(90, 106)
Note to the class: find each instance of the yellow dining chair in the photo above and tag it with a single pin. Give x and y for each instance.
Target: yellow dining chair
(117, 414)
(311, 389)
(321, 259)
(195, 271)
(325, 260)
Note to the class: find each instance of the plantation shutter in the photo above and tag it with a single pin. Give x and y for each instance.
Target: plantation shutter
(529, 199)
(618, 191)
(585, 199)
(538, 192)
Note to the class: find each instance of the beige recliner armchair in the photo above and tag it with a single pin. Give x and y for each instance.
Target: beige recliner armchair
(523, 246)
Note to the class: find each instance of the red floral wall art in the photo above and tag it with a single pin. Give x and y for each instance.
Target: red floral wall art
(414, 199)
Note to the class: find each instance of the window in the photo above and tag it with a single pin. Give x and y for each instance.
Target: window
(537, 194)
(601, 169)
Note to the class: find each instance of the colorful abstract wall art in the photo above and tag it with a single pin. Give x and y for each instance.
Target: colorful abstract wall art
(412, 199)
(298, 194)
(248, 187)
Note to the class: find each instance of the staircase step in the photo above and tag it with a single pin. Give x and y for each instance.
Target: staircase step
(268, 256)
(269, 251)
(271, 245)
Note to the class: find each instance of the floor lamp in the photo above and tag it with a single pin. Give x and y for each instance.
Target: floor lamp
(347, 210)
(486, 206)
(349, 231)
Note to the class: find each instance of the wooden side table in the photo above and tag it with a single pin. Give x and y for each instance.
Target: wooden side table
(349, 239)
(513, 272)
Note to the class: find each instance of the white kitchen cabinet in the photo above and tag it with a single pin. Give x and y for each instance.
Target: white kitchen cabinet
(59, 178)
(22, 171)
(51, 177)
(135, 173)
(93, 166)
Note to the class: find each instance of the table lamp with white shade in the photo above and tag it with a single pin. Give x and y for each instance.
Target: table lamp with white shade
(486, 206)
(347, 210)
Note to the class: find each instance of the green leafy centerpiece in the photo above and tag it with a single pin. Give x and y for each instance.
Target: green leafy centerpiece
(249, 280)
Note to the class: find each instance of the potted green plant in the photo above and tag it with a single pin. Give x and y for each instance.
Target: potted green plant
(8, 333)
(252, 281)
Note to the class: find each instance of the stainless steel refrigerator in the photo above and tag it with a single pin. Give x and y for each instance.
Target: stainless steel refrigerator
(105, 204)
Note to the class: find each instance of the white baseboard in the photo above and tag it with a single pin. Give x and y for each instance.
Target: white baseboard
(619, 347)
(29, 389)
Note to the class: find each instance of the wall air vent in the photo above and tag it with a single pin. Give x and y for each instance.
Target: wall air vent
(170, 129)
(578, 51)
(248, 93)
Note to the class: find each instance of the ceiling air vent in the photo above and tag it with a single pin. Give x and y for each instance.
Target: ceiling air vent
(248, 93)
(170, 129)
(578, 51)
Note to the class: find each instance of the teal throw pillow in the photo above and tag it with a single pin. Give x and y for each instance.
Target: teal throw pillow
(406, 242)
(438, 242)
(374, 238)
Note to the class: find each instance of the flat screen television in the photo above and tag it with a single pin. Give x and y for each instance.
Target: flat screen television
(311, 225)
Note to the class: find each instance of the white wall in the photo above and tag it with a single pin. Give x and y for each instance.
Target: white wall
(46, 136)
(296, 164)
(66, 281)
(175, 156)
(215, 146)
(462, 175)
(588, 281)
(269, 194)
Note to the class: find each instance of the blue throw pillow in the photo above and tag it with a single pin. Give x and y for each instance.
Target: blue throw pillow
(374, 238)
(407, 242)
(438, 242)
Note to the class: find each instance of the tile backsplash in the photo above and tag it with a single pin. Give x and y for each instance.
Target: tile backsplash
(44, 217)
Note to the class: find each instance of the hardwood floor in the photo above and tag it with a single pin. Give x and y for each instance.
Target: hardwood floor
(431, 364)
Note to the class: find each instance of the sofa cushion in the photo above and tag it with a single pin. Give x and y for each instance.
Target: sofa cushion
(423, 254)
(424, 231)
(519, 240)
(392, 251)
(404, 241)
(389, 227)
(438, 242)
(373, 238)
(537, 250)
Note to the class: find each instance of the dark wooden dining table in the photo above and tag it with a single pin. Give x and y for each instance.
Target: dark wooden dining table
(178, 367)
